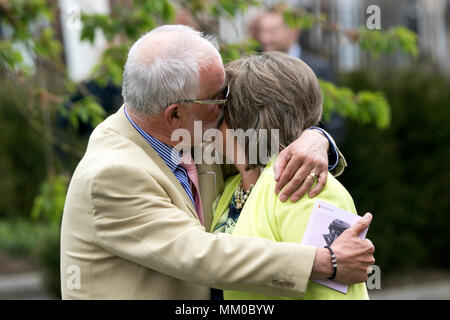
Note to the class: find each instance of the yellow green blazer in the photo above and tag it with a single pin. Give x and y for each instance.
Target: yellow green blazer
(265, 216)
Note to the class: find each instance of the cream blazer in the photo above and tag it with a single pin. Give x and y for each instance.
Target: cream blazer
(129, 231)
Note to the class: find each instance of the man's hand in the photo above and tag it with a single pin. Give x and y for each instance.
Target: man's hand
(354, 256)
(308, 154)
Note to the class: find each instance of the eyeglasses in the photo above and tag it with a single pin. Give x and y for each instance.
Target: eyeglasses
(225, 93)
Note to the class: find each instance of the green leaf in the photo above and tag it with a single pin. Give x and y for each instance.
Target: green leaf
(168, 11)
(385, 42)
(364, 107)
(49, 204)
(73, 119)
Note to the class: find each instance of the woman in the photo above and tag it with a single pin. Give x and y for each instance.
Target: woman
(272, 91)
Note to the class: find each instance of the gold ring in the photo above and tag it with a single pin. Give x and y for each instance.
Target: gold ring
(313, 175)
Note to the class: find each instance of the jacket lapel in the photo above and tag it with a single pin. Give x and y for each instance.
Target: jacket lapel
(126, 129)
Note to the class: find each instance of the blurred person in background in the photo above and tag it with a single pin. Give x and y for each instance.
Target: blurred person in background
(273, 34)
(271, 31)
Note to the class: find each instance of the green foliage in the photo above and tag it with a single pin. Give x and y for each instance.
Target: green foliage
(20, 237)
(401, 174)
(9, 56)
(230, 52)
(87, 110)
(110, 69)
(36, 241)
(365, 107)
(22, 157)
(298, 18)
(46, 46)
(377, 41)
(29, 22)
(125, 23)
(230, 7)
(44, 251)
(49, 204)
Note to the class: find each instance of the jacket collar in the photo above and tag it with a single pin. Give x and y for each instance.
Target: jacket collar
(126, 129)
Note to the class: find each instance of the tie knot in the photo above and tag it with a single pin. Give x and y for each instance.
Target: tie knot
(187, 162)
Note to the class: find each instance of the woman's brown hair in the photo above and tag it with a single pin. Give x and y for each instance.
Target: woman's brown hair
(272, 90)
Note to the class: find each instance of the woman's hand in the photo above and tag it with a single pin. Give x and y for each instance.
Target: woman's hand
(308, 154)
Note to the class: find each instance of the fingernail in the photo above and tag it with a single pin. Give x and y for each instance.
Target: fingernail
(293, 199)
(283, 198)
(367, 216)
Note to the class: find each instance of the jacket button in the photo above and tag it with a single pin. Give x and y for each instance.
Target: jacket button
(276, 283)
(290, 285)
(283, 283)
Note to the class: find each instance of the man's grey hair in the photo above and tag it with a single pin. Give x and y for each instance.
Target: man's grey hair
(163, 67)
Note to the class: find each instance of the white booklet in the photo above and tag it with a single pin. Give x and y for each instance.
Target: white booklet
(325, 224)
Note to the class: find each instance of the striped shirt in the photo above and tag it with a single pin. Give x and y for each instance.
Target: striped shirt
(170, 156)
(333, 155)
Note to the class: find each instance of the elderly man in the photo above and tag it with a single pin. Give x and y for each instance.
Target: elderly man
(134, 221)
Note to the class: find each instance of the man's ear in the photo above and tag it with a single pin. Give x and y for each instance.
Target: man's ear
(172, 116)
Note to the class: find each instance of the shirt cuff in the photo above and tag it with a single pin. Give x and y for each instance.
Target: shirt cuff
(333, 155)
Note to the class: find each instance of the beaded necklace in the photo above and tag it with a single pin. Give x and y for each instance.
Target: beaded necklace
(240, 196)
(236, 205)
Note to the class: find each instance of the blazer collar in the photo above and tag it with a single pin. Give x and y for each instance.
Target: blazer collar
(126, 129)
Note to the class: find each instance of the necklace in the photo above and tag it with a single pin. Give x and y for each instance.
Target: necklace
(236, 205)
(241, 197)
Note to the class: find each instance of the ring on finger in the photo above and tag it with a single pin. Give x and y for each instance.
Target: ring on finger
(313, 175)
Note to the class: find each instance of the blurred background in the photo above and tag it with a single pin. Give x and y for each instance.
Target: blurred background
(384, 69)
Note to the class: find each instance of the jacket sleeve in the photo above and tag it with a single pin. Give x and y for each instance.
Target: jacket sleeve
(336, 160)
(134, 218)
(341, 165)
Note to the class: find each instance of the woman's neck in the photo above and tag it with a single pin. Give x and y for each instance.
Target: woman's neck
(249, 177)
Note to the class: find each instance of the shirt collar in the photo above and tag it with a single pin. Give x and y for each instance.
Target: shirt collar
(170, 155)
(295, 50)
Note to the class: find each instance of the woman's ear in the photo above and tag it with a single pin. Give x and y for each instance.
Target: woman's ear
(172, 116)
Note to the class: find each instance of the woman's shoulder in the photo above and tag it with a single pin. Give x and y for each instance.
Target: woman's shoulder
(334, 192)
